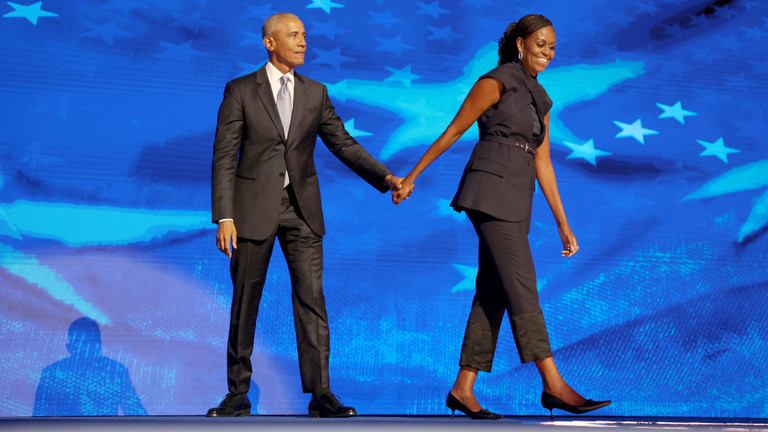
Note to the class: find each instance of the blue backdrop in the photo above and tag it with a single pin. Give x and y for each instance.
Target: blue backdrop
(658, 126)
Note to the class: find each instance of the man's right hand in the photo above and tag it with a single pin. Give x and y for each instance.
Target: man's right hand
(226, 234)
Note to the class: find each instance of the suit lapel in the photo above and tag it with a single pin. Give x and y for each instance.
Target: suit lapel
(299, 99)
(264, 92)
(539, 97)
(533, 87)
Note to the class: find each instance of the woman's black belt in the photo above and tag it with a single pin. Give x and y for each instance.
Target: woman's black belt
(510, 141)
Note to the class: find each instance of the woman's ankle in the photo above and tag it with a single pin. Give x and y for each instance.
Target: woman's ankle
(565, 393)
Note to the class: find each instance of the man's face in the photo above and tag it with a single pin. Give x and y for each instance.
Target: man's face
(287, 44)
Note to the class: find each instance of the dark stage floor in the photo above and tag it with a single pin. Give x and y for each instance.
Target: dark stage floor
(376, 423)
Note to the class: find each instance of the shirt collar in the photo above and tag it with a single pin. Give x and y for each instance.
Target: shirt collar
(274, 75)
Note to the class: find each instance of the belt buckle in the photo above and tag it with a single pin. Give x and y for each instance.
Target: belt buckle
(527, 148)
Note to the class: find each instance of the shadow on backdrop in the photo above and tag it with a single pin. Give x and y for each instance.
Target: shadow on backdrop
(86, 383)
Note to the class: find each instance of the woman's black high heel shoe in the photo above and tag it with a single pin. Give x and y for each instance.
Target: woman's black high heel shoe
(550, 402)
(454, 404)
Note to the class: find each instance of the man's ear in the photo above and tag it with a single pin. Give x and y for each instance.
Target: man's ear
(269, 43)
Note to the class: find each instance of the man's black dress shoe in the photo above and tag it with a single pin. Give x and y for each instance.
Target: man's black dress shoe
(454, 404)
(326, 404)
(550, 402)
(233, 405)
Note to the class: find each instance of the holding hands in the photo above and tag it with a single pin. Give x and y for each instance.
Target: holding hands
(401, 189)
(405, 190)
(226, 235)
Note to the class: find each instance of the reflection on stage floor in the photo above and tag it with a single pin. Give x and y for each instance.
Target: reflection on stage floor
(376, 423)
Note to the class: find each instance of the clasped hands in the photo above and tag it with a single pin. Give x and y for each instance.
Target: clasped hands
(401, 189)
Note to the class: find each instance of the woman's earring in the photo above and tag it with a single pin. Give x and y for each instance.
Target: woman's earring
(520, 55)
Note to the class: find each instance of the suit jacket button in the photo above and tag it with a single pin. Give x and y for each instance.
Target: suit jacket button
(281, 175)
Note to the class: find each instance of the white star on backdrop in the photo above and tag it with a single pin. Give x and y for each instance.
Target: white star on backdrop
(106, 32)
(586, 151)
(325, 5)
(675, 111)
(31, 12)
(717, 148)
(385, 19)
(442, 33)
(332, 58)
(403, 75)
(634, 130)
(329, 29)
(394, 45)
(433, 9)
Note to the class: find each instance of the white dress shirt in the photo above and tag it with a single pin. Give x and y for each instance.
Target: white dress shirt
(274, 76)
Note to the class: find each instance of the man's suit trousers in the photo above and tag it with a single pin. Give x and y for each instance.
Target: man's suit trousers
(506, 280)
(303, 250)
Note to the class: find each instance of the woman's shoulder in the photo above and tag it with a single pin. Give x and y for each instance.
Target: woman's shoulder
(507, 73)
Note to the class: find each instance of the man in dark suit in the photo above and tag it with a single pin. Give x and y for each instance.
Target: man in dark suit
(265, 184)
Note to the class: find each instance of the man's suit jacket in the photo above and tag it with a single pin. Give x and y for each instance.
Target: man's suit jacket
(251, 154)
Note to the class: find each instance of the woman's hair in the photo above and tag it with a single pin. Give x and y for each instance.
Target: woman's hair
(525, 27)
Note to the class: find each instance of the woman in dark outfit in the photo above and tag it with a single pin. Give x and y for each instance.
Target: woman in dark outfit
(496, 191)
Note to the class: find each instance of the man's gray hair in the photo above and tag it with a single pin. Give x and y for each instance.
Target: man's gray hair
(270, 24)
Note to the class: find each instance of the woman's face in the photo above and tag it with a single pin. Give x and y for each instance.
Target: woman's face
(538, 49)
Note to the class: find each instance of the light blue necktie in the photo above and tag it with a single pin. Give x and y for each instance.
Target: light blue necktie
(284, 104)
(285, 109)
